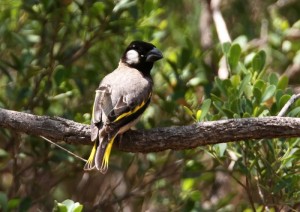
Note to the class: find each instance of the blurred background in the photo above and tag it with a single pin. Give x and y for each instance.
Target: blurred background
(53, 54)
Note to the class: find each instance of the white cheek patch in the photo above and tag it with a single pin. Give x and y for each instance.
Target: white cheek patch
(132, 57)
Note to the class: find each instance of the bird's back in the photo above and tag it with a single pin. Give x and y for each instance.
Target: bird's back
(128, 82)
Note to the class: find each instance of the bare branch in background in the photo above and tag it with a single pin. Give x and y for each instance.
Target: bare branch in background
(219, 21)
(223, 35)
(288, 105)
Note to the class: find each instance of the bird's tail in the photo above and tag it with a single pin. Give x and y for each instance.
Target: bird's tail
(100, 153)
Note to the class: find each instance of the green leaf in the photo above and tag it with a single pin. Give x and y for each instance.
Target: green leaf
(68, 206)
(220, 149)
(219, 109)
(61, 208)
(242, 168)
(261, 74)
(244, 83)
(226, 47)
(77, 207)
(189, 111)
(3, 202)
(25, 204)
(258, 62)
(273, 79)
(204, 109)
(264, 113)
(257, 94)
(59, 75)
(295, 112)
(297, 103)
(123, 5)
(184, 57)
(260, 84)
(195, 195)
(246, 115)
(246, 105)
(278, 95)
(198, 115)
(195, 81)
(235, 105)
(229, 113)
(269, 92)
(172, 64)
(248, 91)
(242, 67)
(234, 55)
(97, 8)
(215, 98)
(13, 203)
(220, 85)
(235, 80)
(3, 154)
(283, 100)
(187, 184)
(283, 83)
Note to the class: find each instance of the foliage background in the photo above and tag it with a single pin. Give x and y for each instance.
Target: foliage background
(53, 55)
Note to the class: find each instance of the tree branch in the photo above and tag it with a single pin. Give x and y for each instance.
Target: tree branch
(181, 137)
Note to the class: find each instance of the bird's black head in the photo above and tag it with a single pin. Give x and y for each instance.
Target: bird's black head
(141, 55)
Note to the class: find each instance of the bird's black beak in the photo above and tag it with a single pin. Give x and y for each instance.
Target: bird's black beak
(154, 55)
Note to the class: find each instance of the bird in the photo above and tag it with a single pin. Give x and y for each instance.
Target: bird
(121, 98)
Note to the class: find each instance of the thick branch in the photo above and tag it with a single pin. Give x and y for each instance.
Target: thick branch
(183, 137)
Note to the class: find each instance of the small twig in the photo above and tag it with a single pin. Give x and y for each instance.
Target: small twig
(71, 153)
(288, 104)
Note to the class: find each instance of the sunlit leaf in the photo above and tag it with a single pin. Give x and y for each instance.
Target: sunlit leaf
(220, 149)
(187, 184)
(283, 82)
(188, 111)
(68, 206)
(269, 92)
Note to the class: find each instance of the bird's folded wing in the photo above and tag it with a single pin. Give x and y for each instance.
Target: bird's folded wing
(129, 107)
(102, 104)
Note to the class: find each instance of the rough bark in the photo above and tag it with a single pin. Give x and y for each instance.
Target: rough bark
(180, 137)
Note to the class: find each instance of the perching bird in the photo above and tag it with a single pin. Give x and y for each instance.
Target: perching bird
(121, 98)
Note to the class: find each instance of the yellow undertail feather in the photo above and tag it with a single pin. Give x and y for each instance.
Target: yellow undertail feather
(105, 160)
(90, 163)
